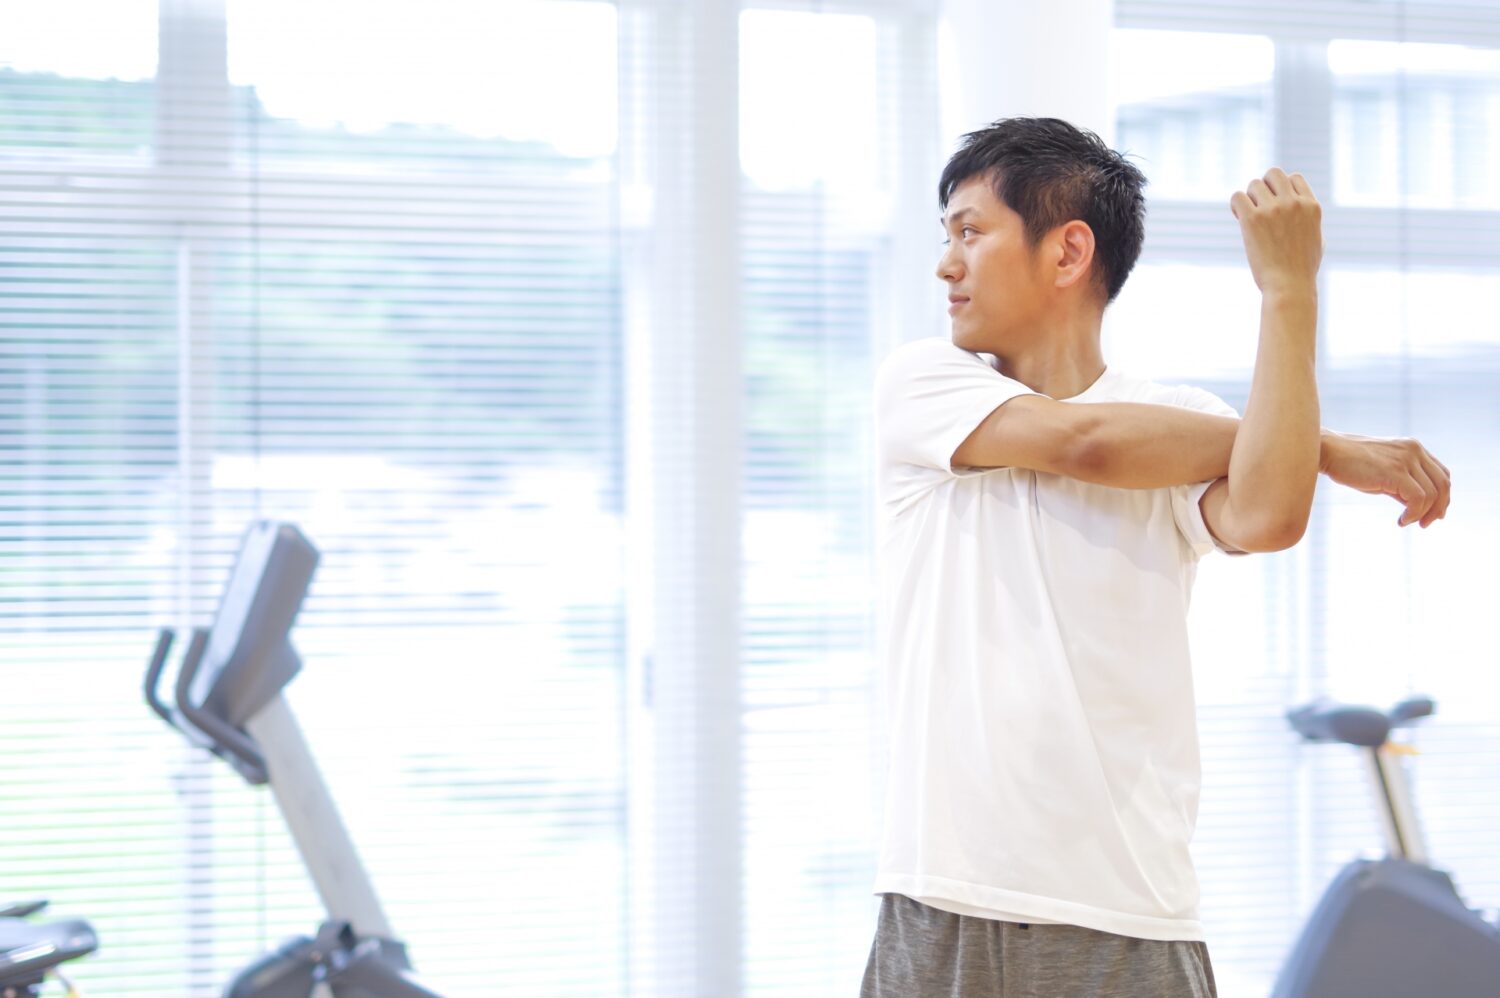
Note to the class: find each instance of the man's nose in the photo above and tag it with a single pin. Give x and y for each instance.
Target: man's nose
(947, 265)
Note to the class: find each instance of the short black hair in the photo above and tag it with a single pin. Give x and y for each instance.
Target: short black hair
(1050, 172)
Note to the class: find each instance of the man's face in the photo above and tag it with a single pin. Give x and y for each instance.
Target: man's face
(987, 262)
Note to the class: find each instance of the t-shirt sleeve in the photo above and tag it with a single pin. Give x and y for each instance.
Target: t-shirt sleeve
(929, 396)
(1186, 510)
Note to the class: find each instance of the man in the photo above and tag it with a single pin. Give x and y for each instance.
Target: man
(1041, 519)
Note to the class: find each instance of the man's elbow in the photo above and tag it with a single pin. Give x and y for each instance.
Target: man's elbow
(1272, 532)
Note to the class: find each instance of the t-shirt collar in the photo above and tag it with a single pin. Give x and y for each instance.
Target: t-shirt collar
(1099, 387)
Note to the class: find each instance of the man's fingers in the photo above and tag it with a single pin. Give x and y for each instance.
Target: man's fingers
(1409, 494)
(1404, 470)
(1444, 484)
(1238, 203)
(1420, 498)
(1276, 183)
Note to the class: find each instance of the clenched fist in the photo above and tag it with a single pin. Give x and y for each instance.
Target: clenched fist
(1282, 224)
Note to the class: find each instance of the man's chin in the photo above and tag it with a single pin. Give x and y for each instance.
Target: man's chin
(969, 340)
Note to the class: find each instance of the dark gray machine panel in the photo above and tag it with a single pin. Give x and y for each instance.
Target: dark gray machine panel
(250, 657)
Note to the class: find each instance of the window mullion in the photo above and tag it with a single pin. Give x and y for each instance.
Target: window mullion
(192, 139)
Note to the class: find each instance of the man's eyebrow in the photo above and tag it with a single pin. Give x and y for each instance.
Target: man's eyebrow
(960, 213)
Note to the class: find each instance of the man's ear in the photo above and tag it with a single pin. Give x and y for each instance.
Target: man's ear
(1073, 244)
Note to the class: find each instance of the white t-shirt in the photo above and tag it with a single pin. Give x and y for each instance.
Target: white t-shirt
(1033, 639)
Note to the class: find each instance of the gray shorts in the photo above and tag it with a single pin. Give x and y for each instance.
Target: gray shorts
(924, 952)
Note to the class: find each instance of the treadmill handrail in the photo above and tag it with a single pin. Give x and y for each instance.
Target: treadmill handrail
(240, 749)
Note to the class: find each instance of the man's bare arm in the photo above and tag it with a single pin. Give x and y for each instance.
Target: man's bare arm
(1264, 502)
(1133, 445)
(1273, 459)
(1262, 499)
(1126, 445)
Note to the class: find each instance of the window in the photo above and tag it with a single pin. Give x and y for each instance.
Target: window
(256, 275)
(401, 332)
(1401, 149)
(86, 94)
(816, 204)
(1415, 125)
(1192, 109)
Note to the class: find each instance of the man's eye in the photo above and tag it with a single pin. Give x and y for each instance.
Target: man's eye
(966, 229)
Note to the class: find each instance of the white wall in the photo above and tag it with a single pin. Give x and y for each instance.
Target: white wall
(1000, 58)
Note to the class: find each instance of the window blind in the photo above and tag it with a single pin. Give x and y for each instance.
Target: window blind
(452, 320)
(1388, 109)
(252, 283)
(821, 113)
(86, 330)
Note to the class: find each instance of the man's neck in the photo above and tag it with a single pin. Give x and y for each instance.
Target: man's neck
(1055, 377)
(1060, 364)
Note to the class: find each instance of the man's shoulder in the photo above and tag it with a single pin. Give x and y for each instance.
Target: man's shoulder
(912, 351)
(927, 356)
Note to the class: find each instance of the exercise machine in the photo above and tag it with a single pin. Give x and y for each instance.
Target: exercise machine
(30, 952)
(229, 700)
(1393, 927)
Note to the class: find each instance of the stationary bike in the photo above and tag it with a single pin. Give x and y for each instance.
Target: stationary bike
(1393, 927)
(30, 952)
(230, 699)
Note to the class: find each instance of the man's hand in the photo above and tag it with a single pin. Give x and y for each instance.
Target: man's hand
(1281, 222)
(1400, 468)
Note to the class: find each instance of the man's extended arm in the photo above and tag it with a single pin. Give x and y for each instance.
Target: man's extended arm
(1126, 445)
(1264, 502)
(1267, 469)
(1136, 445)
